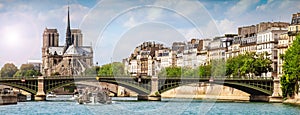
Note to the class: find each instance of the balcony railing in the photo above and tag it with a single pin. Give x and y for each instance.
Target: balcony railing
(293, 33)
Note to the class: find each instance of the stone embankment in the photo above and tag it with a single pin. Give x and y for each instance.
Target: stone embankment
(207, 91)
(6, 99)
(295, 101)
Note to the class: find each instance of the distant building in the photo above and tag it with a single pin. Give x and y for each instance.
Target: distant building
(70, 59)
(234, 48)
(267, 42)
(248, 44)
(202, 52)
(190, 53)
(177, 51)
(36, 63)
(282, 46)
(271, 37)
(164, 57)
(145, 60)
(218, 47)
(248, 34)
(262, 37)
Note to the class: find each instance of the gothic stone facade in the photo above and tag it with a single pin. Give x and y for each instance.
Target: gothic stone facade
(68, 60)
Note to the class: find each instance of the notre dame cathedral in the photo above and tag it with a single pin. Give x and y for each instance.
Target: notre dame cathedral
(68, 60)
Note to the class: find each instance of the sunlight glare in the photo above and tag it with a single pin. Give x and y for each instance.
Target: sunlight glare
(11, 37)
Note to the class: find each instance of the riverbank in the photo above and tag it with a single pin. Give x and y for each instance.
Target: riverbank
(292, 101)
(207, 92)
(8, 99)
(212, 98)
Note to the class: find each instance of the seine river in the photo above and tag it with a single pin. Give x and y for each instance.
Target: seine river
(129, 106)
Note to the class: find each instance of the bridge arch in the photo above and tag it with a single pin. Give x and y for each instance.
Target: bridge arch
(63, 84)
(24, 88)
(250, 87)
(95, 85)
(242, 87)
(135, 87)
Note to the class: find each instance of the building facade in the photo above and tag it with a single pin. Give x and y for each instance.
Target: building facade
(286, 39)
(267, 41)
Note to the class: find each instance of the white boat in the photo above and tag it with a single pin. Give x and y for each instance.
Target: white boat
(51, 95)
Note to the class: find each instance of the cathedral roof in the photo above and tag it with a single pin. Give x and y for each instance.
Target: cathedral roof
(79, 50)
(56, 50)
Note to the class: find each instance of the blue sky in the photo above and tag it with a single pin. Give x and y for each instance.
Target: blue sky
(115, 27)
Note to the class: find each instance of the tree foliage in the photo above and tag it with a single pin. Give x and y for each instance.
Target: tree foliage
(92, 71)
(112, 69)
(8, 70)
(218, 68)
(248, 63)
(204, 70)
(174, 71)
(27, 70)
(291, 69)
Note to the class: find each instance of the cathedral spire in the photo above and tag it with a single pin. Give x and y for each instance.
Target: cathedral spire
(68, 33)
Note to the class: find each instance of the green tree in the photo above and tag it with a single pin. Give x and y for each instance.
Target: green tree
(112, 69)
(234, 65)
(248, 63)
(262, 64)
(218, 68)
(27, 70)
(291, 69)
(204, 70)
(171, 72)
(189, 72)
(92, 71)
(8, 70)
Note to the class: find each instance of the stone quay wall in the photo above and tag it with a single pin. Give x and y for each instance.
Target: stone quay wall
(8, 99)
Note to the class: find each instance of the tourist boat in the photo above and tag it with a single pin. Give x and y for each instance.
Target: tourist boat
(51, 95)
(93, 97)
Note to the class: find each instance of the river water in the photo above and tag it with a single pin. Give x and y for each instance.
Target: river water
(129, 106)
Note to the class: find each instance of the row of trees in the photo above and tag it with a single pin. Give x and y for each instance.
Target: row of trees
(112, 69)
(249, 63)
(26, 70)
(241, 65)
(202, 71)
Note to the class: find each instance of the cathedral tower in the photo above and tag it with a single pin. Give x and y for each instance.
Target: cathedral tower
(50, 38)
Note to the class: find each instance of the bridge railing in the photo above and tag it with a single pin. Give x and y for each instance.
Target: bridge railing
(16, 78)
(219, 78)
(143, 77)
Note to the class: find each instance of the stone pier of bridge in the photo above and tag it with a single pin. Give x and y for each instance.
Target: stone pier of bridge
(154, 95)
(40, 95)
(277, 93)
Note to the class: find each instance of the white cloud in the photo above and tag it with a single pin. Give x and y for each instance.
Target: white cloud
(192, 33)
(226, 26)
(240, 7)
(157, 32)
(1, 6)
(130, 22)
(154, 13)
(264, 6)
